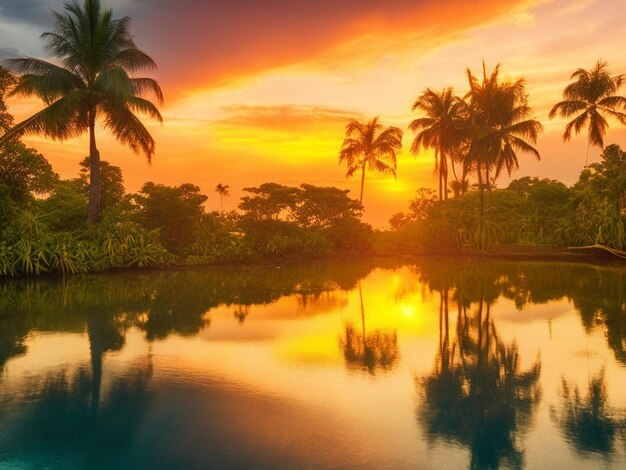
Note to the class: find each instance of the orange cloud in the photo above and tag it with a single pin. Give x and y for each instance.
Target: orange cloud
(201, 43)
(286, 118)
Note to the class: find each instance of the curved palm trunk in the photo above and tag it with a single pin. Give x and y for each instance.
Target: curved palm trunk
(440, 192)
(362, 183)
(93, 210)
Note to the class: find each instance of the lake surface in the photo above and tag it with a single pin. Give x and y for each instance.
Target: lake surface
(370, 364)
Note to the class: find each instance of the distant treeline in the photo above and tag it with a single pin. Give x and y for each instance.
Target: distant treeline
(530, 211)
(43, 229)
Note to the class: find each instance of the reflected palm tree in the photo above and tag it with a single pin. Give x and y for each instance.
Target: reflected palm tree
(13, 332)
(106, 333)
(55, 421)
(588, 423)
(241, 312)
(477, 395)
(369, 352)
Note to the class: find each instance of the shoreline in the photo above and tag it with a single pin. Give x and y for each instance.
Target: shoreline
(511, 253)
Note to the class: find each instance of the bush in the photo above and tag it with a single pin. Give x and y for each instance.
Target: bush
(350, 235)
(280, 239)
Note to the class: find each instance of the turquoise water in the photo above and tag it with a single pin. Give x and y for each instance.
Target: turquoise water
(372, 364)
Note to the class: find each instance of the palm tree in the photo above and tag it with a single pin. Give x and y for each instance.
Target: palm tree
(222, 190)
(591, 98)
(95, 78)
(459, 187)
(370, 146)
(500, 126)
(440, 129)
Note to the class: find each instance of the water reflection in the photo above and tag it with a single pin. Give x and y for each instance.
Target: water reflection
(589, 423)
(477, 395)
(241, 312)
(276, 343)
(159, 304)
(598, 294)
(61, 415)
(369, 351)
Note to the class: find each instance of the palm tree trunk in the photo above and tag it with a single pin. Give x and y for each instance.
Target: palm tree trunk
(222, 202)
(440, 179)
(444, 174)
(482, 207)
(93, 210)
(362, 183)
(445, 185)
(587, 156)
(456, 178)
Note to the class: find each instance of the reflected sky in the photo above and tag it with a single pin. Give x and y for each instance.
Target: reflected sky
(317, 366)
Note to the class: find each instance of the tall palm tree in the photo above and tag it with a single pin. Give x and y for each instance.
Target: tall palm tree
(500, 126)
(222, 190)
(95, 79)
(441, 129)
(370, 146)
(592, 98)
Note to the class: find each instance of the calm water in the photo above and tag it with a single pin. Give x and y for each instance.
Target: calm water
(346, 365)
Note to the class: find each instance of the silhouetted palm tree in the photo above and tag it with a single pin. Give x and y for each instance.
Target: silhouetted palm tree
(441, 129)
(95, 79)
(222, 190)
(459, 187)
(592, 97)
(370, 146)
(500, 127)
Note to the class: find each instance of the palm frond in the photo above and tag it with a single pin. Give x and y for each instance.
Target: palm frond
(577, 124)
(143, 86)
(128, 129)
(134, 60)
(61, 120)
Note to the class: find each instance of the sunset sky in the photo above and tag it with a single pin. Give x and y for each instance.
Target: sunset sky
(261, 91)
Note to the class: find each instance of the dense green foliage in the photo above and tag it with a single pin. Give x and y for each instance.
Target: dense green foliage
(24, 171)
(529, 211)
(278, 221)
(43, 226)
